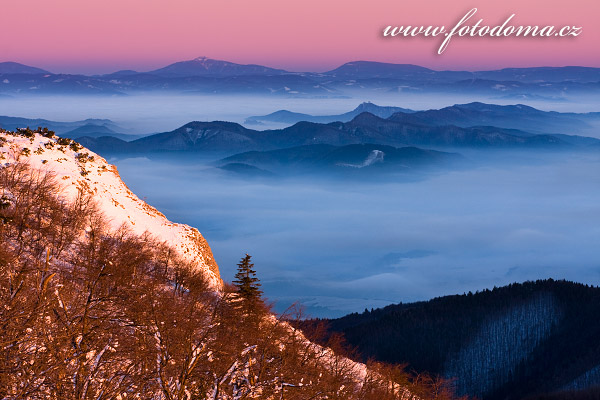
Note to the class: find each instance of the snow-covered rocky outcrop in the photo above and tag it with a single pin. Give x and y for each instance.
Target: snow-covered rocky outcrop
(76, 167)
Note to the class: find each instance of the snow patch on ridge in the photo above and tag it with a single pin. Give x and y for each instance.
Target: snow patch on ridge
(374, 156)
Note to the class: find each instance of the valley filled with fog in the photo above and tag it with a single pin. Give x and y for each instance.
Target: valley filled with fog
(343, 246)
(158, 112)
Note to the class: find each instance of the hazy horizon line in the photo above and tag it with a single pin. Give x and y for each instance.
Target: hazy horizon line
(298, 70)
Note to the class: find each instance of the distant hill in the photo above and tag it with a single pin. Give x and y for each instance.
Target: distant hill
(91, 128)
(103, 144)
(374, 70)
(507, 343)
(348, 160)
(95, 131)
(512, 116)
(203, 66)
(199, 136)
(121, 73)
(16, 68)
(60, 127)
(566, 126)
(288, 117)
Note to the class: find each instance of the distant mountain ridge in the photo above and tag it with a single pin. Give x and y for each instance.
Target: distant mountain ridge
(91, 127)
(209, 76)
(60, 127)
(203, 66)
(96, 130)
(517, 116)
(473, 125)
(373, 70)
(228, 137)
(289, 117)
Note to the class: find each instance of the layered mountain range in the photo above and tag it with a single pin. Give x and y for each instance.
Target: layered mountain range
(290, 117)
(394, 140)
(369, 137)
(474, 125)
(204, 75)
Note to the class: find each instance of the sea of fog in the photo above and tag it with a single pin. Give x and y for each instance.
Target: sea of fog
(160, 112)
(339, 247)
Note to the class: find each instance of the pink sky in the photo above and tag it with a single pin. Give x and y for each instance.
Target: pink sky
(94, 36)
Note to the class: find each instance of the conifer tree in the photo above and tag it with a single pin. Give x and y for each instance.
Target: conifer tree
(248, 286)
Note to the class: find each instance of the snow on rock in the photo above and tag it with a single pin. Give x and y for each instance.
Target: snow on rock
(76, 167)
(374, 156)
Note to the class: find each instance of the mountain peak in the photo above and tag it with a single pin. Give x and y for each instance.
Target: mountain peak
(380, 111)
(365, 105)
(366, 117)
(204, 66)
(206, 61)
(212, 124)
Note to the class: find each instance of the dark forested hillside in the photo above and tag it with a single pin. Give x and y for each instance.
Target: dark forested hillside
(510, 342)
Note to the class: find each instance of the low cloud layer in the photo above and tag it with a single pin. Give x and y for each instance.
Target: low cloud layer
(160, 112)
(344, 246)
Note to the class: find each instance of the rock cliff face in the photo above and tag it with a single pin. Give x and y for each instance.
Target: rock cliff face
(78, 168)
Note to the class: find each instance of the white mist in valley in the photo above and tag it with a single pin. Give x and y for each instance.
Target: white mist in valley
(161, 112)
(340, 247)
(343, 246)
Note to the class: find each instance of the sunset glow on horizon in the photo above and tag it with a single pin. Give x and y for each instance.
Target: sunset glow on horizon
(75, 36)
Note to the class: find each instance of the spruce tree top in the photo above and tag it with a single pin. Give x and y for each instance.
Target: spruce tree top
(246, 281)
